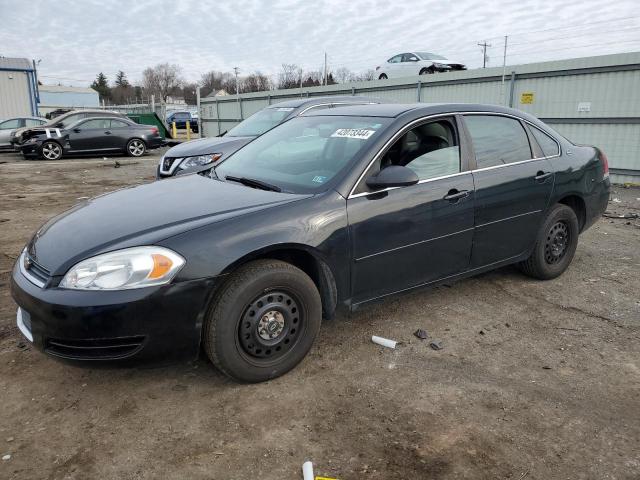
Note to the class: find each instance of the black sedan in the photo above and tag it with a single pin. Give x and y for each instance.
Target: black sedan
(331, 210)
(192, 156)
(92, 135)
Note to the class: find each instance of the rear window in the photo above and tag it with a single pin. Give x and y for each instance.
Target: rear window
(497, 140)
(547, 144)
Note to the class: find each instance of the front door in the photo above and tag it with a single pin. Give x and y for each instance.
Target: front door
(512, 188)
(410, 236)
(92, 134)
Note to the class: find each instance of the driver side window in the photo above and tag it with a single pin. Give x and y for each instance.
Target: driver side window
(431, 150)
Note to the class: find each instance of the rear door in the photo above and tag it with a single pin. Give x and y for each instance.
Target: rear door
(120, 133)
(410, 236)
(513, 184)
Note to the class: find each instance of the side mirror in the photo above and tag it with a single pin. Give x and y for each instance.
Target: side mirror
(393, 176)
(59, 125)
(77, 130)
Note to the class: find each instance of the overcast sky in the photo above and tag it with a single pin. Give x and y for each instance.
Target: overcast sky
(77, 39)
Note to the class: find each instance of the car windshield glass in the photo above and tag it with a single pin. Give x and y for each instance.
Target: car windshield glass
(430, 56)
(305, 153)
(260, 122)
(182, 116)
(66, 122)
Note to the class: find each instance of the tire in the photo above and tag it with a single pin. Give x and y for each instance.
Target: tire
(555, 245)
(136, 147)
(51, 150)
(263, 321)
(427, 71)
(382, 76)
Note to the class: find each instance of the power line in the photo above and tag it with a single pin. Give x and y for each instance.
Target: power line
(484, 46)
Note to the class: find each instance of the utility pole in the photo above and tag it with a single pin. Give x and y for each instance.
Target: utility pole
(236, 70)
(484, 46)
(300, 74)
(504, 68)
(324, 70)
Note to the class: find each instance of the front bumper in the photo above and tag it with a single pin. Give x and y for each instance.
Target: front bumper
(148, 324)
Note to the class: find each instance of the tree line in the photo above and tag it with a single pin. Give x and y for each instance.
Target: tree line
(165, 80)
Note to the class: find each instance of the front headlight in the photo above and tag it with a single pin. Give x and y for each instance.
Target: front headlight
(199, 161)
(441, 65)
(135, 267)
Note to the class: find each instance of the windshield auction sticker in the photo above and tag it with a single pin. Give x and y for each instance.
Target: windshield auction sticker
(359, 133)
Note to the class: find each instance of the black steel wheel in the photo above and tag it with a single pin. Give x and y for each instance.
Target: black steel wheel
(555, 244)
(382, 77)
(263, 321)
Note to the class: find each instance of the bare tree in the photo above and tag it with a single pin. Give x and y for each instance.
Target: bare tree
(256, 82)
(289, 76)
(162, 80)
(365, 76)
(344, 75)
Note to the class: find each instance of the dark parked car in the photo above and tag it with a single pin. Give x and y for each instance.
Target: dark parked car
(58, 112)
(335, 208)
(22, 135)
(181, 119)
(197, 154)
(93, 135)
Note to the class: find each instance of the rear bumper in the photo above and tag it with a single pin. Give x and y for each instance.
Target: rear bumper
(155, 324)
(596, 202)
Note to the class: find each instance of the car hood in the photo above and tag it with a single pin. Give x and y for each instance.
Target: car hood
(144, 215)
(24, 133)
(205, 146)
(448, 62)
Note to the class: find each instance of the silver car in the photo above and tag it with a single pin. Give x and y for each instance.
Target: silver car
(12, 124)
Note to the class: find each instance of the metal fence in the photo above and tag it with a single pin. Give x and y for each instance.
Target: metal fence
(593, 100)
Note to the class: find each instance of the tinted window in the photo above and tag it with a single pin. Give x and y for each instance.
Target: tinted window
(304, 154)
(547, 144)
(32, 122)
(98, 123)
(118, 124)
(410, 57)
(497, 140)
(70, 120)
(431, 150)
(10, 124)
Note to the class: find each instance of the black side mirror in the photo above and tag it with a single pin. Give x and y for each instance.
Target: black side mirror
(59, 125)
(393, 176)
(77, 130)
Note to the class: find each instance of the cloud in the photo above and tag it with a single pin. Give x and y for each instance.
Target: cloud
(76, 40)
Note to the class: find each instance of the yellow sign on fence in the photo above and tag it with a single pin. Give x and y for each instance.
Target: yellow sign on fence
(526, 97)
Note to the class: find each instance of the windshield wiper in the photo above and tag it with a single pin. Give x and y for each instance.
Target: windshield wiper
(251, 182)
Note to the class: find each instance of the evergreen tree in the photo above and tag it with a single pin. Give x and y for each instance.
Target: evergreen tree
(121, 79)
(101, 85)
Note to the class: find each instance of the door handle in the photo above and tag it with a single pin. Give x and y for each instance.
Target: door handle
(542, 176)
(455, 195)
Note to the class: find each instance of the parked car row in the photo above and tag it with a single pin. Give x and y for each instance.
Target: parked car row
(308, 210)
(82, 132)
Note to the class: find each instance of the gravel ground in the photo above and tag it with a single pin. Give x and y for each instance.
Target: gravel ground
(536, 379)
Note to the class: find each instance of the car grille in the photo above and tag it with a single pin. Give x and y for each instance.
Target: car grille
(94, 349)
(34, 272)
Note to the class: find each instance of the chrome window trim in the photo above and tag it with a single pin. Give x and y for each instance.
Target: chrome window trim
(438, 115)
(333, 103)
(26, 274)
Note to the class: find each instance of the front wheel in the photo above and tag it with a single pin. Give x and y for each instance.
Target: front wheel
(427, 71)
(555, 245)
(382, 77)
(136, 148)
(263, 322)
(51, 151)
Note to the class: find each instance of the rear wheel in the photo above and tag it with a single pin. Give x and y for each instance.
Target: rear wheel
(263, 322)
(382, 76)
(555, 246)
(136, 147)
(51, 150)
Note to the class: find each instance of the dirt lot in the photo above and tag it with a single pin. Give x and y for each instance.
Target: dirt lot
(536, 379)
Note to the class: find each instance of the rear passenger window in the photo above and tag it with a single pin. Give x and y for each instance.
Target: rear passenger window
(497, 140)
(547, 144)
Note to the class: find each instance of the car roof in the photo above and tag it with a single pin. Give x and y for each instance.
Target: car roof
(308, 101)
(392, 110)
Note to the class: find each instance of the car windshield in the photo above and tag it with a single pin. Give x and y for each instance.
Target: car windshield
(182, 115)
(260, 122)
(305, 153)
(430, 56)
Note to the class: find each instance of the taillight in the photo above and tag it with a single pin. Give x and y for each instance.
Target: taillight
(154, 131)
(605, 164)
